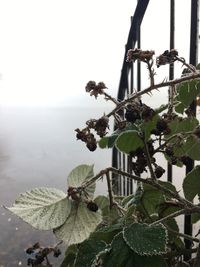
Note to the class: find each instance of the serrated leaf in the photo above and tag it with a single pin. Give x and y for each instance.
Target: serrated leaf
(79, 225)
(102, 202)
(151, 199)
(120, 255)
(182, 125)
(195, 217)
(81, 174)
(191, 183)
(188, 91)
(43, 208)
(129, 141)
(107, 141)
(148, 126)
(87, 252)
(191, 148)
(146, 239)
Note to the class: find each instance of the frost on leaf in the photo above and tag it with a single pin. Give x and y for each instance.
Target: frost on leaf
(43, 208)
(79, 225)
(80, 175)
(146, 239)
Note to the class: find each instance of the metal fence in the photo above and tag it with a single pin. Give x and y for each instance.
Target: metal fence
(122, 185)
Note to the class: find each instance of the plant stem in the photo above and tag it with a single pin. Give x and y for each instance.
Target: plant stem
(189, 237)
(109, 97)
(188, 66)
(151, 72)
(151, 88)
(109, 190)
(149, 160)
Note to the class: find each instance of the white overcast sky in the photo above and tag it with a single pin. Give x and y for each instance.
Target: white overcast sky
(49, 49)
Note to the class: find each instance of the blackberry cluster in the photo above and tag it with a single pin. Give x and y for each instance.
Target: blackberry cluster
(140, 163)
(88, 138)
(39, 255)
(138, 111)
(100, 126)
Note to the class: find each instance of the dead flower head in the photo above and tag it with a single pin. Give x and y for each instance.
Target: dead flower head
(95, 89)
(167, 57)
(138, 54)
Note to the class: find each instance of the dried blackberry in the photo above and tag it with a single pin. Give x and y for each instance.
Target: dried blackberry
(147, 113)
(162, 125)
(57, 252)
(29, 250)
(169, 151)
(91, 146)
(159, 171)
(92, 206)
(185, 160)
(132, 115)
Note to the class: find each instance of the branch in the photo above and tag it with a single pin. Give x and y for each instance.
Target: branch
(149, 160)
(188, 237)
(109, 97)
(151, 88)
(155, 184)
(188, 66)
(109, 190)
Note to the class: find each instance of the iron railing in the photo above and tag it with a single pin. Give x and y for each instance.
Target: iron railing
(122, 185)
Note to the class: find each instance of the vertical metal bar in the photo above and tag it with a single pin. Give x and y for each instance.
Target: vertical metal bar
(193, 60)
(171, 69)
(138, 63)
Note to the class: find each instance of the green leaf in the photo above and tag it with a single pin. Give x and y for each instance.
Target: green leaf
(79, 225)
(146, 239)
(187, 92)
(168, 185)
(70, 256)
(120, 255)
(179, 107)
(102, 202)
(191, 148)
(129, 141)
(195, 217)
(107, 141)
(148, 126)
(87, 252)
(43, 208)
(191, 183)
(182, 125)
(81, 174)
(151, 199)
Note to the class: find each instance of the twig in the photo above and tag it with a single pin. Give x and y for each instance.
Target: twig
(151, 72)
(188, 237)
(155, 184)
(109, 190)
(151, 88)
(109, 97)
(190, 67)
(149, 160)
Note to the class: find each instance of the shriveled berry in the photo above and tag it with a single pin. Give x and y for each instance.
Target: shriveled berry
(92, 206)
(185, 160)
(147, 112)
(57, 252)
(29, 250)
(132, 115)
(162, 125)
(91, 146)
(159, 171)
(169, 151)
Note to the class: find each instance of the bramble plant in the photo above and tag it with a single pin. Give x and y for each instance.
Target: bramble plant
(139, 229)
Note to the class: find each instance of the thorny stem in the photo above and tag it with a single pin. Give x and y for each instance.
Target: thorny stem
(173, 215)
(109, 190)
(180, 135)
(188, 237)
(151, 88)
(149, 160)
(154, 183)
(151, 72)
(190, 67)
(109, 97)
